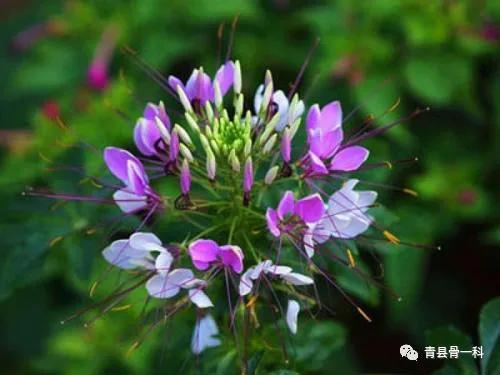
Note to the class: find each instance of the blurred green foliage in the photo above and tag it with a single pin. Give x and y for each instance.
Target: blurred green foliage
(372, 54)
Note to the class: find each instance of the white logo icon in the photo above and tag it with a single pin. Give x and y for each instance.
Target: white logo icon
(408, 352)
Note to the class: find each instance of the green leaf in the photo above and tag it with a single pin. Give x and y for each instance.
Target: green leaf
(450, 336)
(489, 333)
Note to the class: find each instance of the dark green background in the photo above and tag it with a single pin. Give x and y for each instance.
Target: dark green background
(372, 53)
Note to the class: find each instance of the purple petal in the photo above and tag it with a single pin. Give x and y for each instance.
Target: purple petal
(317, 165)
(310, 208)
(286, 205)
(349, 159)
(232, 256)
(137, 178)
(248, 176)
(185, 178)
(225, 77)
(173, 82)
(313, 117)
(174, 146)
(286, 147)
(117, 159)
(272, 222)
(203, 252)
(129, 202)
(331, 116)
(199, 86)
(152, 111)
(322, 143)
(138, 138)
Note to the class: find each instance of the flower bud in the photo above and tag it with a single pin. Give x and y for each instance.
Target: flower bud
(270, 144)
(217, 96)
(269, 129)
(184, 99)
(295, 126)
(211, 165)
(185, 178)
(186, 153)
(209, 112)
(233, 160)
(271, 175)
(165, 135)
(237, 77)
(173, 152)
(247, 150)
(215, 147)
(184, 136)
(266, 98)
(286, 145)
(192, 122)
(204, 143)
(268, 78)
(248, 175)
(238, 105)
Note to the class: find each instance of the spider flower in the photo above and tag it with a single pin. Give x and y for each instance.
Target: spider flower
(231, 163)
(345, 216)
(205, 253)
(292, 213)
(137, 195)
(267, 268)
(325, 136)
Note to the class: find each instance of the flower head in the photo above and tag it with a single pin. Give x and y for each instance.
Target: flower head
(137, 195)
(205, 253)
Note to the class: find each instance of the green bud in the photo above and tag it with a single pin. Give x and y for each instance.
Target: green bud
(204, 143)
(165, 135)
(183, 135)
(185, 152)
(234, 161)
(192, 122)
(266, 98)
(271, 175)
(184, 99)
(209, 112)
(211, 165)
(247, 150)
(238, 105)
(217, 96)
(269, 129)
(237, 77)
(270, 144)
(295, 126)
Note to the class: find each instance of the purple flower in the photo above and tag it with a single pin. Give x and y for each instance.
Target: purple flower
(325, 136)
(200, 89)
(345, 216)
(268, 268)
(137, 195)
(149, 130)
(309, 209)
(205, 253)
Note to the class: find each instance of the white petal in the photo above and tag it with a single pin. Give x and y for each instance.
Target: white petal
(160, 287)
(163, 263)
(246, 283)
(145, 241)
(203, 335)
(129, 202)
(359, 224)
(199, 298)
(259, 268)
(121, 254)
(281, 101)
(279, 270)
(257, 100)
(366, 199)
(292, 313)
(181, 277)
(297, 279)
(309, 240)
